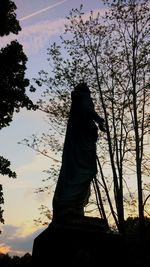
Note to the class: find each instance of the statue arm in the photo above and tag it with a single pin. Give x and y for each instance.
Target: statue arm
(90, 112)
(99, 120)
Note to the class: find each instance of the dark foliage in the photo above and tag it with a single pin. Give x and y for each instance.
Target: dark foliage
(138, 253)
(4, 168)
(13, 82)
(8, 22)
(8, 261)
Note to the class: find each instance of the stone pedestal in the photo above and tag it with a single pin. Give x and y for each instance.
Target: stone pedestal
(76, 246)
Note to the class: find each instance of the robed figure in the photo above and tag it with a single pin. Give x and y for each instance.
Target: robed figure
(79, 165)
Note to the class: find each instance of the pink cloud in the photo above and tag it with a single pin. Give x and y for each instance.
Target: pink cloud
(37, 36)
(34, 37)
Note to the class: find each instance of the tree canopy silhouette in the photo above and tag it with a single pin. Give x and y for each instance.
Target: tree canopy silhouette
(8, 21)
(13, 83)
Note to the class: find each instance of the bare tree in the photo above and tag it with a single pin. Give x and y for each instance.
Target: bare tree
(112, 55)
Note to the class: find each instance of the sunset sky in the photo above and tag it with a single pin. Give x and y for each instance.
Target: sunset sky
(42, 22)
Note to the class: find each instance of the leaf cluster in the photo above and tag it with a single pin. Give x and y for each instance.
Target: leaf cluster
(8, 21)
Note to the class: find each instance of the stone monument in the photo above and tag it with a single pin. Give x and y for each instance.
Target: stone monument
(79, 166)
(72, 238)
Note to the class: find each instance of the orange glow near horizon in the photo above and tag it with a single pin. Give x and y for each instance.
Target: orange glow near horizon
(4, 249)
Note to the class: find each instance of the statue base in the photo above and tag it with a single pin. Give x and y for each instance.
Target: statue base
(86, 244)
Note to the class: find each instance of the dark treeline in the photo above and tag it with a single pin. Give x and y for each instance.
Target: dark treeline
(6, 260)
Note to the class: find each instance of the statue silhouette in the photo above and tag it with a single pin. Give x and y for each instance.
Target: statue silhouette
(79, 166)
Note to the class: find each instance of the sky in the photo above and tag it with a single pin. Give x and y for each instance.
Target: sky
(42, 22)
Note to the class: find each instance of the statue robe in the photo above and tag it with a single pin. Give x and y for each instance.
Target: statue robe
(79, 165)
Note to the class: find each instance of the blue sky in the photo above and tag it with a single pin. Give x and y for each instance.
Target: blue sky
(42, 22)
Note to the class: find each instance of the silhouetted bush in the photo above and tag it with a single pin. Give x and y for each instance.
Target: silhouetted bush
(7, 261)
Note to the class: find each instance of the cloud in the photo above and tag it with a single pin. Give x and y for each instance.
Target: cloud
(14, 243)
(4, 249)
(39, 163)
(37, 36)
(42, 10)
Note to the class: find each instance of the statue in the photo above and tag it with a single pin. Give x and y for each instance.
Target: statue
(79, 166)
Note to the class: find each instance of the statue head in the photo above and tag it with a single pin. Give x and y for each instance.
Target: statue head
(82, 87)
